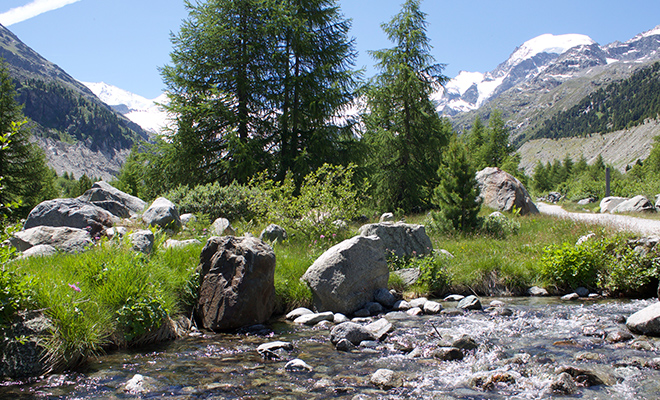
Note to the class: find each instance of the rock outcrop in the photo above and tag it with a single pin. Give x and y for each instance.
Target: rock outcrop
(237, 283)
(65, 239)
(110, 198)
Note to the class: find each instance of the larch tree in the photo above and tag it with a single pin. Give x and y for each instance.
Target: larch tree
(404, 132)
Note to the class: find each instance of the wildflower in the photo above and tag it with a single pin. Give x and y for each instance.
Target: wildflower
(74, 287)
(322, 236)
(334, 235)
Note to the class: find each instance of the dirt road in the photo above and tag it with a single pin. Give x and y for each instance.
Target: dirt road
(645, 227)
(640, 226)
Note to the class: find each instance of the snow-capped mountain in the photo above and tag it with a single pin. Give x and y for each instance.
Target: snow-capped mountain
(144, 112)
(542, 63)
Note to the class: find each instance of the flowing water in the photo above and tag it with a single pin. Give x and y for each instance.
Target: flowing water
(520, 353)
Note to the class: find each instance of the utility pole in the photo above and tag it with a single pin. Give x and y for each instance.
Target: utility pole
(607, 182)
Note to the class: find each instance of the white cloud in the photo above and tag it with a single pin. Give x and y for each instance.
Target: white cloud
(36, 7)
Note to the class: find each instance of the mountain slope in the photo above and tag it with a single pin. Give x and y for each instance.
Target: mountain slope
(544, 77)
(78, 132)
(144, 112)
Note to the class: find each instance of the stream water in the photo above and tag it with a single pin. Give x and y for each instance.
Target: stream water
(521, 354)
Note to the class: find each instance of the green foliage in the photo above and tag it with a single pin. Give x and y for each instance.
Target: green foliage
(256, 85)
(140, 316)
(326, 195)
(629, 272)
(214, 201)
(404, 133)
(457, 195)
(434, 277)
(569, 266)
(26, 181)
(491, 146)
(499, 226)
(620, 105)
(14, 295)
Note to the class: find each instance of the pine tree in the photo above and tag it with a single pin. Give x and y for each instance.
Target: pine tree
(457, 195)
(25, 177)
(403, 130)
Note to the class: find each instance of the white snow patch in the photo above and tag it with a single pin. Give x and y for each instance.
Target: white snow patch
(652, 32)
(464, 81)
(611, 60)
(548, 43)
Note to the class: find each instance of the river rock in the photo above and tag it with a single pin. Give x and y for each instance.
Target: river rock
(502, 191)
(340, 318)
(21, 354)
(470, 303)
(102, 191)
(139, 385)
(646, 321)
(142, 240)
(354, 333)
(432, 307)
(570, 297)
(313, 319)
(609, 203)
(65, 239)
(385, 379)
(584, 377)
(401, 305)
(454, 297)
(72, 213)
(582, 291)
(237, 283)
(448, 353)
(298, 365)
(379, 329)
(400, 239)
(536, 291)
(384, 297)
(272, 233)
(222, 227)
(563, 384)
(636, 204)
(271, 350)
(292, 315)
(346, 276)
(465, 343)
(489, 380)
(409, 276)
(415, 311)
(162, 213)
(179, 244)
(418, 302)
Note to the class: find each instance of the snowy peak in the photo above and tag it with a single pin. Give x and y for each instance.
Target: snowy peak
(552, 44)
(144, 112)
(653, 32)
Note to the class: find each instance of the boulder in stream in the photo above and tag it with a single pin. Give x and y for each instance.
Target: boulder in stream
(237, 283)
(646, 321)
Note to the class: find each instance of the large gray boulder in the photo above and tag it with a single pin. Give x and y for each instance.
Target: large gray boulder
(68, 240)
(610, 203)
(103, 192)
(400, 239)
(73, 213)
(646, 321)
(345, 277)
(237, 283)
(502, 191)
(162, 213)
(636, 204)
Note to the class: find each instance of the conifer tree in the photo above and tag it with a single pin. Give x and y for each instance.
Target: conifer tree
(403, 130)
(457, 195)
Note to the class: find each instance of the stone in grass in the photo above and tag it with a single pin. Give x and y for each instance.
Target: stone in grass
(142, 241)
(470, 303)
(386, 379)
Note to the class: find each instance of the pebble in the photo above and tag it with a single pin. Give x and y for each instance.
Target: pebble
(298, 365)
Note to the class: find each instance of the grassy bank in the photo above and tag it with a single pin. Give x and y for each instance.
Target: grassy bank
(112, 297)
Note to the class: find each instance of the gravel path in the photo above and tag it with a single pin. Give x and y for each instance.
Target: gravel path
(646, 227)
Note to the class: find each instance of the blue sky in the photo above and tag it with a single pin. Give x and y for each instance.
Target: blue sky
(123, 42)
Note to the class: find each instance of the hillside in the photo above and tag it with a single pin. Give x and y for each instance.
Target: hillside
(619, 149)
(78, 132)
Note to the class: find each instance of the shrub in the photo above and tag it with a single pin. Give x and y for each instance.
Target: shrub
(433, 279)
(139, 316)
(569, 266)
(499, 226)
(629, 272)
(214, 201)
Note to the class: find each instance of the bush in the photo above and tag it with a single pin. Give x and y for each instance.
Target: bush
(434, 278)
(568, 266)
(214, 201)
(499, 226)
(629, 272)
